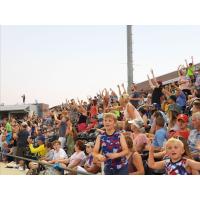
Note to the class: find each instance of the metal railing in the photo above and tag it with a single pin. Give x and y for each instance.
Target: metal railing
(47, 164)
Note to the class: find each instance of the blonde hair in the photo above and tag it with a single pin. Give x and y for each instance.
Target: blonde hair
(125, 98)
(172, 141)
(110, 115)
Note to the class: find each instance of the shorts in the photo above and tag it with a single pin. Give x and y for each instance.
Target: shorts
(111, 171)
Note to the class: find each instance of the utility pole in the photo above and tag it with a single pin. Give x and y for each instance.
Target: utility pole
(129, 57)
(0, 65)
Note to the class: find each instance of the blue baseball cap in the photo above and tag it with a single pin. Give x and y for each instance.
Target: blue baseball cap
(41, 138)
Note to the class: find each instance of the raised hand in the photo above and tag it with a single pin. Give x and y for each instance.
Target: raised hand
(151, 149)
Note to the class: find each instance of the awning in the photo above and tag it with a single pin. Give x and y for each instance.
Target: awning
(12, 108)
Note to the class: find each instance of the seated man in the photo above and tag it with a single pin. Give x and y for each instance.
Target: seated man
(34, 167)
(182, 123)
(194, 137)
(38, 151)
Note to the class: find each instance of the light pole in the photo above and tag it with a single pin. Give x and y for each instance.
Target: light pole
(129, 57)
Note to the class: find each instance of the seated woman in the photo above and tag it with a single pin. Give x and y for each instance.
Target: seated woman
(77, 158)
(135, 164)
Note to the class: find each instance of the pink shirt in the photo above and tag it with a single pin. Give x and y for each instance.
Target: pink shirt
(77, 156)
(139, 141)
(184, 85)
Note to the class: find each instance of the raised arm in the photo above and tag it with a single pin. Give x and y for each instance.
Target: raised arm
(120, 93)
(154, 78)
(131, 113)
(179, 73)
(124, 89)
(192, 60)
(186, 63)
(150, 83)
(166, 92)
(112, 91)
(177, 88)
(151, 162)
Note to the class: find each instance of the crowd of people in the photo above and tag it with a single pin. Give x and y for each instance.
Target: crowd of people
(141, 133)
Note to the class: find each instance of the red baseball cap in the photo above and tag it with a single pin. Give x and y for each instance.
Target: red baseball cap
(183, 117)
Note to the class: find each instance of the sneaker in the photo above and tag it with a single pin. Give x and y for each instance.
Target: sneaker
(11, 164)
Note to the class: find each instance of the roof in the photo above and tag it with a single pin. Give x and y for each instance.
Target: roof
(15, 108)
(166, 79)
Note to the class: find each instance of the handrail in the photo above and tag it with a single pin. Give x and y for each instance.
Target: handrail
(48, 164)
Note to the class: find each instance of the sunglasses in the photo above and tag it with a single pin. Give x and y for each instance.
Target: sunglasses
(179, 138)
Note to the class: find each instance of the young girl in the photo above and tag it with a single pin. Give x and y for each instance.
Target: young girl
(135, 165)
(176, 164)
(113, 148)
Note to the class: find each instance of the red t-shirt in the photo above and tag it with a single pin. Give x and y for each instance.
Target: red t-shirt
(184, 134)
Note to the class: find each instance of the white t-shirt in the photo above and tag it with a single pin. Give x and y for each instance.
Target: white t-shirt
(61, 154)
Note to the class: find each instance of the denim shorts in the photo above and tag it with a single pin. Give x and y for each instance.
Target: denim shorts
(108, 170)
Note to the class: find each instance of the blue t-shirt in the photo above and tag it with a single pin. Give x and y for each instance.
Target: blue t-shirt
(181, 100)
(160, 137)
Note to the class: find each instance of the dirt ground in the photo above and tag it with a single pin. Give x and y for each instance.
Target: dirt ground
(10, 171)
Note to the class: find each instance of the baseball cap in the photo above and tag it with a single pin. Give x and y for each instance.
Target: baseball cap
(91, 144)
(42, 138)
(137, 122)
(183, 117)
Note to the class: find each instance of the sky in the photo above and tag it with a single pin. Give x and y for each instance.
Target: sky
(53, 63)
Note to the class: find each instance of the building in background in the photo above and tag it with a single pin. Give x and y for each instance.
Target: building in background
(19, 111)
